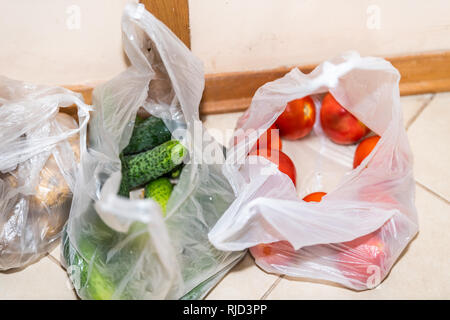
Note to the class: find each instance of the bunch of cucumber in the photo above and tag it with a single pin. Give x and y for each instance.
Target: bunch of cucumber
(96, 269)
(151, 161)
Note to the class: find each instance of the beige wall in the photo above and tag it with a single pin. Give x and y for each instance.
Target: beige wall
(40, 41)
(232, 35)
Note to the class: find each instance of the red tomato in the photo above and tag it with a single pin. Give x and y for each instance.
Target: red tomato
(276, 253)
(314, 197)
(278, 157)
(383, 196)
(377, 195)
(338, 124)
(265, 140)
(281, 252)
(364, 148)
(362, 260)
(297, 120)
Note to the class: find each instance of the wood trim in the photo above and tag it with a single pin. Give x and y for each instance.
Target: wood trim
(232, 92)
(86, 91)
(423, 73)
(174, 14)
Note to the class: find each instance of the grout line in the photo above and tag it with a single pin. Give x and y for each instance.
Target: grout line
(52, 258)
(274, 284)
(421, 109)
(432, 192)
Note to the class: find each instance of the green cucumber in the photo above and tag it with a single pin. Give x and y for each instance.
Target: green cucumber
(124, 189)
(97, 269)
(99, 287)
(154, 163)
(92, 281)
(146, 135)
(160, 191)
(176, 172)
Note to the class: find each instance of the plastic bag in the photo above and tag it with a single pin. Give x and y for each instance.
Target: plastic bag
(39, 155)
(375, 200)
(118, 248)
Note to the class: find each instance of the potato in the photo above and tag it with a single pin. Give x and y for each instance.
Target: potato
(31, 223)
(52, 188)
(47, 209)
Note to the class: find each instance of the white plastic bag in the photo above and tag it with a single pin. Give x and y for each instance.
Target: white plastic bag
(39, 154)
(376, 198)
(118, 248)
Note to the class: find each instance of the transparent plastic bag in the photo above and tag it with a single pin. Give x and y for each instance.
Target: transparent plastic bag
(39, 156)
(376, 200)
(118, 248)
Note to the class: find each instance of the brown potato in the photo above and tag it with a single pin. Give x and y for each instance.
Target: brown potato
(40, 216)
(52, 188)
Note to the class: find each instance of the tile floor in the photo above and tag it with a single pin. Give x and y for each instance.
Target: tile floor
(422, 273)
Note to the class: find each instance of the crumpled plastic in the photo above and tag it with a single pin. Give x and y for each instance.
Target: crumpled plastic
(359, 229)
(39, 155)
(118, 248)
